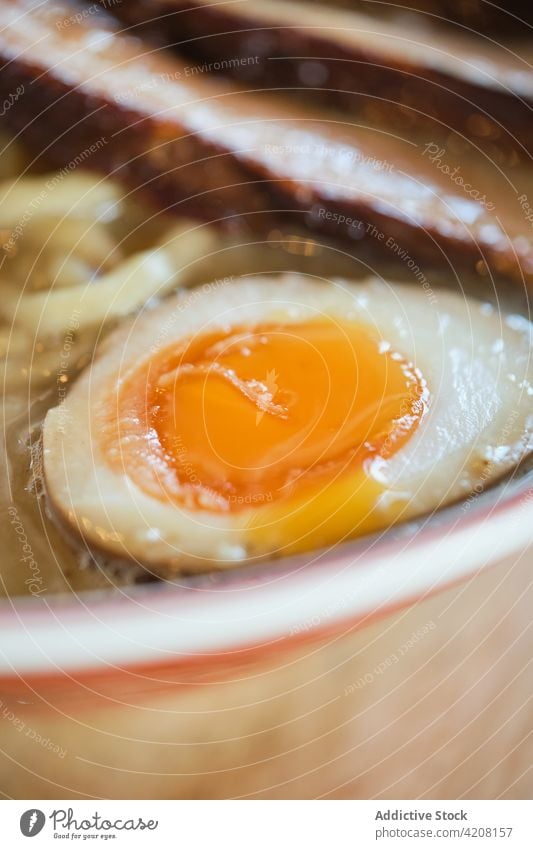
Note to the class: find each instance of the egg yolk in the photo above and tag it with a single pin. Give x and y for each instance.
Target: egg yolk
(283, 417)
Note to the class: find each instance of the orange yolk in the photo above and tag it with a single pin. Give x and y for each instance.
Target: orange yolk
(264, 414)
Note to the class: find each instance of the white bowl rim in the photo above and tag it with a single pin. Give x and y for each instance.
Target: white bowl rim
(262, 606)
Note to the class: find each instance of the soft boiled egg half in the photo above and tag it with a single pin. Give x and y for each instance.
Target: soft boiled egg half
(278, 414)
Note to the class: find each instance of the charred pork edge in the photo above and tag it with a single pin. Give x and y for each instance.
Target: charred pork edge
(356, 79)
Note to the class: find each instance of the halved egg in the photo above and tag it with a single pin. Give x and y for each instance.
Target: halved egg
(279, 414)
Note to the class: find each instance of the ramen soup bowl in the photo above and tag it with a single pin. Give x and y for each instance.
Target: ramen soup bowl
(395, 666)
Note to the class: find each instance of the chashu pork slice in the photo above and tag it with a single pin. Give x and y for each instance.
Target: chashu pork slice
(95, 97)
(410, 67)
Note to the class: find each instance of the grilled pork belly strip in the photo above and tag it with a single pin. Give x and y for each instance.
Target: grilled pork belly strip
(371, 64)
(507, 14)
(107, 101)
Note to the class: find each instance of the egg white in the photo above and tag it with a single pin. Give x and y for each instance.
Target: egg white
(476, 362)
